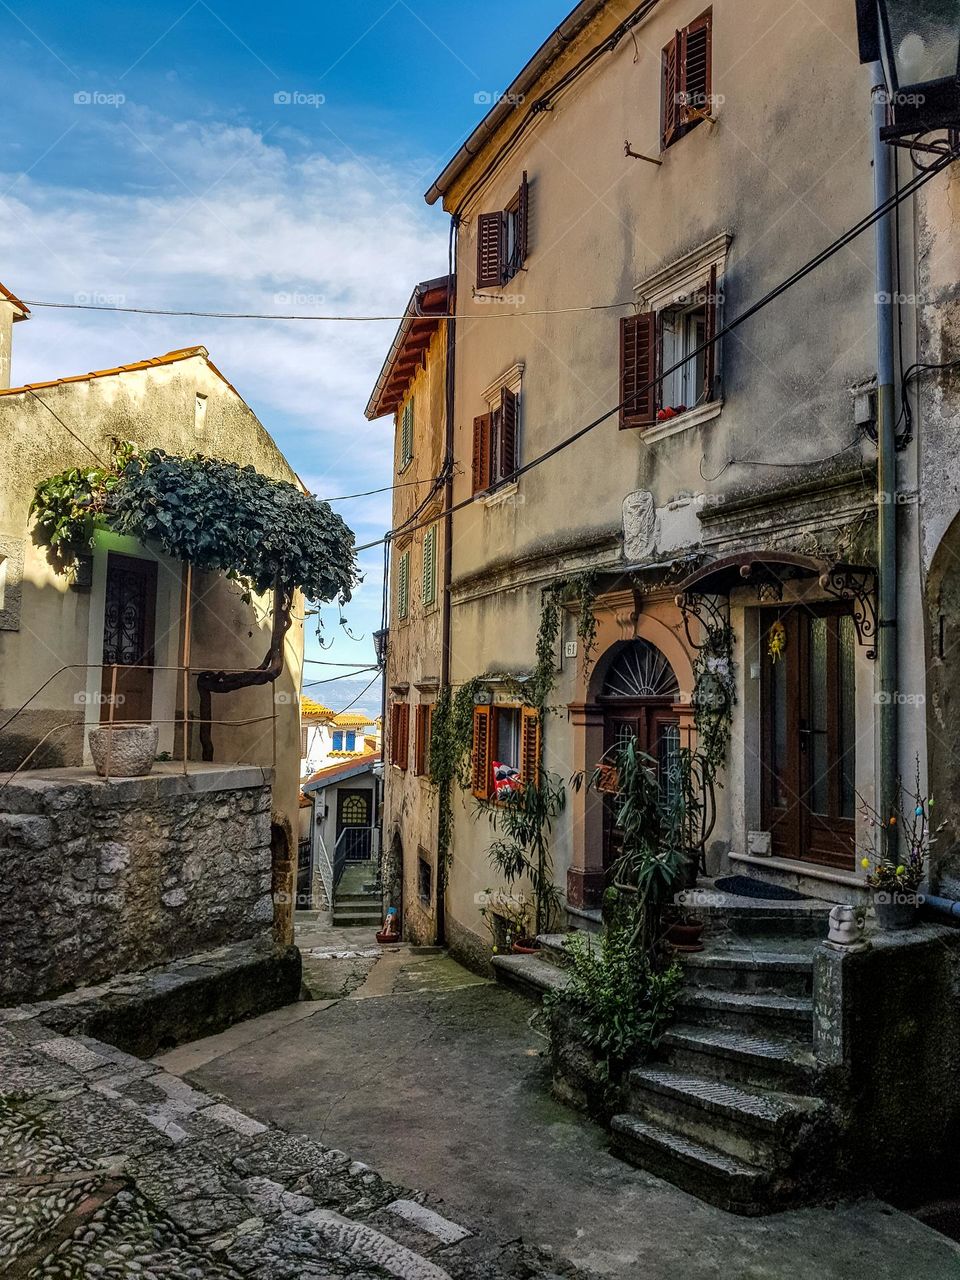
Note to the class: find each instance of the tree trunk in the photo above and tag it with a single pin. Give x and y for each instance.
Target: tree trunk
(211, 682)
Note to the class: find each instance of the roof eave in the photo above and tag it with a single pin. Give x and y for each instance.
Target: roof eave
(378, 405)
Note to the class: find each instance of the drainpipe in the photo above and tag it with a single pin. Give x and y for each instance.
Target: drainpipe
(946, 910)
(887, 677)
(448, 518)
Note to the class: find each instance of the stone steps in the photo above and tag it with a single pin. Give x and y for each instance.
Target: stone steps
(529, 975)
(730, 914)
(773, 970)
(704, 1171)
(765, 1060)
(757, 1126)
(747, 1011)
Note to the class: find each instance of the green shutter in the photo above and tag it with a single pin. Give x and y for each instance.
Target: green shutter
(403, 585)
(430, 565)
(406, 434)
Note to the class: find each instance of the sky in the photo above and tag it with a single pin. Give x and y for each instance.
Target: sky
(242, 157)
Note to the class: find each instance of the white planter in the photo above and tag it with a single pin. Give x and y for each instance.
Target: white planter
(131, 749)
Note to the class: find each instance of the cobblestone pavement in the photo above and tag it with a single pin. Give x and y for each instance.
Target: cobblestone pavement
(111, 1167)
(438, 1077)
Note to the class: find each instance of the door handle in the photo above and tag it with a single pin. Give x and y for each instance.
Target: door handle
(806, 734)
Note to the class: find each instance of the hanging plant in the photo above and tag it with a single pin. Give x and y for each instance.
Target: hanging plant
(714, 697)
(583, 587)
(451, 742)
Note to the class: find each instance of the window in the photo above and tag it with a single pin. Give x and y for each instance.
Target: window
(338, 741)
(423, 728)
(351, 741)
(424, 878)
(502, 240)
(680, 313)
(399, 734)
(687, 80)
(403, 585)
(495, 442)
(429, 585)
(506, 748)
(406, 435)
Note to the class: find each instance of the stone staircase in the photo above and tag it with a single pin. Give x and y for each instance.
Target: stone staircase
(357, 901)
(730, 1110)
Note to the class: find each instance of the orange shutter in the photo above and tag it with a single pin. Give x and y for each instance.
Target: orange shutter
(639, 395)
(530, 745)
(404, 735)
(481, 753)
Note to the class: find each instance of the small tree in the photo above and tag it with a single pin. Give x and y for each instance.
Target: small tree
(266, 534)
(524, 815)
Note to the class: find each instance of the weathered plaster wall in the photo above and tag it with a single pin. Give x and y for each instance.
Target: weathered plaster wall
(887, 1034)
(103, 878)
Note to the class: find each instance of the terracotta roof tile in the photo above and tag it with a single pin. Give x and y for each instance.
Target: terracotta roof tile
(171, 357)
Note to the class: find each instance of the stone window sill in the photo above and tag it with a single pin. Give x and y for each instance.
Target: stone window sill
(692, 418)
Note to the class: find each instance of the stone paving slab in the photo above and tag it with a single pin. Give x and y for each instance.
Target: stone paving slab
(114, 1168)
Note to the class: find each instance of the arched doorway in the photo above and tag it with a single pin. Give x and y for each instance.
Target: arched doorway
(639, 698)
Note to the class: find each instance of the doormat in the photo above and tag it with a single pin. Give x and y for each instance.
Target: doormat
(748, 887)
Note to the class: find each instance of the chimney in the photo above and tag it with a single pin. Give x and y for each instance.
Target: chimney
(11, 310)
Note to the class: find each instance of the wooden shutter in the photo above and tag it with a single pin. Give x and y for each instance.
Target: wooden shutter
(671, 91)
(523, 221)
(695, 72)
(406, 434)
(480, 764)
(710, 362)
(420, 740)
(429, 586)
(481, 452)
(509, 413)
(491, 245)
(638, 368)
(399, 734)
(529, 745)
(403, 585)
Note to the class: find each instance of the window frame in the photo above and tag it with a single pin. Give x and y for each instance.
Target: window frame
(485, 734)
(503, 240)
(682, 118)
(495, 461)
(406, 425)
(336, 740)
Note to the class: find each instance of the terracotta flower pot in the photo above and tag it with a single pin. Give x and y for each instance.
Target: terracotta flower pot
(524, 949)
(128, 750)
(686, 937)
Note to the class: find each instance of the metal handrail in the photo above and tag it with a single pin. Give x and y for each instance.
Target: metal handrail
(340, 850)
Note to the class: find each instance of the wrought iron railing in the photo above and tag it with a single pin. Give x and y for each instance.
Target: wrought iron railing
(354, 844)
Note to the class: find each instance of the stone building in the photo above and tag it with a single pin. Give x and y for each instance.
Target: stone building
(412, 386)
(120, 614)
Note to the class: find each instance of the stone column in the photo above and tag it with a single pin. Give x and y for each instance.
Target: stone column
(585, 878)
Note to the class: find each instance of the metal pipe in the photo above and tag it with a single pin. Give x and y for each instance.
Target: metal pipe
(887, 664)
(944, 908)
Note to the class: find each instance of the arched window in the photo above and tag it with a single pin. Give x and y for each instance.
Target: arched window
(640, 670)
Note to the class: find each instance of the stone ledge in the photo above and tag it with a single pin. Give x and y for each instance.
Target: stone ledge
(166, 779)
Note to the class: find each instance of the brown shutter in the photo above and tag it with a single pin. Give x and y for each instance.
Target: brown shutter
(509, 412)
(481, 452)
(480, 765)
(420, 741)
(529, 745)
(523, 221)
(710, 362)
(399, 734)
(695, 74)
(638, 361)
(490, 250)
(404, 735)
(671, 90)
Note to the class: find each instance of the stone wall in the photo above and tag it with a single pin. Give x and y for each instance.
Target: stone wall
(887, 1032)
(101, 878)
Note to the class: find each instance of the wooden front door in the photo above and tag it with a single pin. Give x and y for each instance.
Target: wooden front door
(354, 823)
(128, 636)
(656, 726)
(808, 761)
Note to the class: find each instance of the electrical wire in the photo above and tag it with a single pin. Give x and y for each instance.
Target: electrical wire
(371, 319)
(69, 430)
(347, 675)
(359, 695)
(759, 462)
(388, 488)
(801, 273)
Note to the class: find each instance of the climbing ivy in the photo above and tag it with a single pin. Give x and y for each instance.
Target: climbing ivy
(583, 587)
(70, 506)
(714, 697)
(451, 741)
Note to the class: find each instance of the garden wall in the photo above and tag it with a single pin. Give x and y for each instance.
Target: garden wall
(101, 878)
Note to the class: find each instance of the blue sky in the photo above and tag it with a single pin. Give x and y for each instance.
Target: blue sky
(209, 156)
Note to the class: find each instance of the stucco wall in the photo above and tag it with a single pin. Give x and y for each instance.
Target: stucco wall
(104, 877)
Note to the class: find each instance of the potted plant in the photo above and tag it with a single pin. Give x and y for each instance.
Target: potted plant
(895, 877)
(684, 930)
